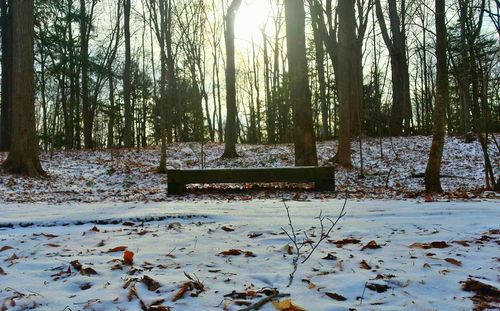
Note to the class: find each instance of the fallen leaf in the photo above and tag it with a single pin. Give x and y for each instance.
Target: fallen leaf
(341, 243)
(88, 271)
(182, 291)
(53, 245)
(152, 284)
(484, 294)
(440, 244)
(227, 229)
(365, 265)
(117, 249)
(95, 229)
(287, 305)
(463, 243)
(336, 296)
(2, 272)
(128, 257)
(453, 261)
(330, 256)
(371, 245)
(379, 288)
(5, 248)
(76, 264)
(237, 252)
(254, 235)
(49, 235)
(85, 286)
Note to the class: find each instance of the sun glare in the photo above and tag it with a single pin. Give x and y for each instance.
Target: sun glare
(252, 17)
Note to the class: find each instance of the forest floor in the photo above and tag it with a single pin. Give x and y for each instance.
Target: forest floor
(207, 255)
(102, 234)
(129, 176)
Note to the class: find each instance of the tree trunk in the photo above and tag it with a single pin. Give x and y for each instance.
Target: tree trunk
(401, 106)
(87, 111)
(304, 139)
(127, 80)
(231, 130)
(23, 153)
(433, 171)
(348, 80)
(6, 103)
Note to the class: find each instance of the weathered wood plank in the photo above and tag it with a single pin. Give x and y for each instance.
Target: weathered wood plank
(323, 177)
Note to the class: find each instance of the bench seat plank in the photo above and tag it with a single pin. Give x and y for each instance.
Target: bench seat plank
(323, 177)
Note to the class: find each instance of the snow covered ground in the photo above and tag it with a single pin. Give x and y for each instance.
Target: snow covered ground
(128, 176)
(71, 256)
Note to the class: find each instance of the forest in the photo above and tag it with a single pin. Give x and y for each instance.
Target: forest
(139, 73)
(244, 155)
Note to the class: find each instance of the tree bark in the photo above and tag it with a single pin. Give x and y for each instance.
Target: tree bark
(23, 153)
(304, 139)
(6, 102)
(401, 106)
(348, 80)
(127, 80)
(87, 111)
(231, 127)
(433, 171)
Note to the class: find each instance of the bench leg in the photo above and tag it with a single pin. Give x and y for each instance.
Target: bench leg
(325, 185)
(175, 188)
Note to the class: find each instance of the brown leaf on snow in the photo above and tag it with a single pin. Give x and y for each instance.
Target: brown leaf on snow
(5, 248)
(463, 243)
(152, 284)
(287, 305)
(2, 272)
(454, 261)
(440, 244)
(227, 229)
(237, 252)
(341, 243)
(365, 265)
(371, 245)
(53, 245)
(117, 249)
(182, 291)
(76, 264)
(88, 271)
(486, 296)
(336, 296)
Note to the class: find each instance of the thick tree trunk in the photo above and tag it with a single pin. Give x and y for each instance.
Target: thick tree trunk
(23, 153)
(127, 81)
(231, 127)
(433, 171)
(304, 139)
(348, 80)
(6, 103)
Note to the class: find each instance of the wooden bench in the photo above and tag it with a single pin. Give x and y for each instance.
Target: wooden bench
(322, 177)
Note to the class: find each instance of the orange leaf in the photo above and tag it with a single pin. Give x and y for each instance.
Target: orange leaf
(371, 245)
(128, 257)
(287, 305)
(117, 249)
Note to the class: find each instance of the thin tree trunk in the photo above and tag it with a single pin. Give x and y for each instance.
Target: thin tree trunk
(433, 171)
(127, 80)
